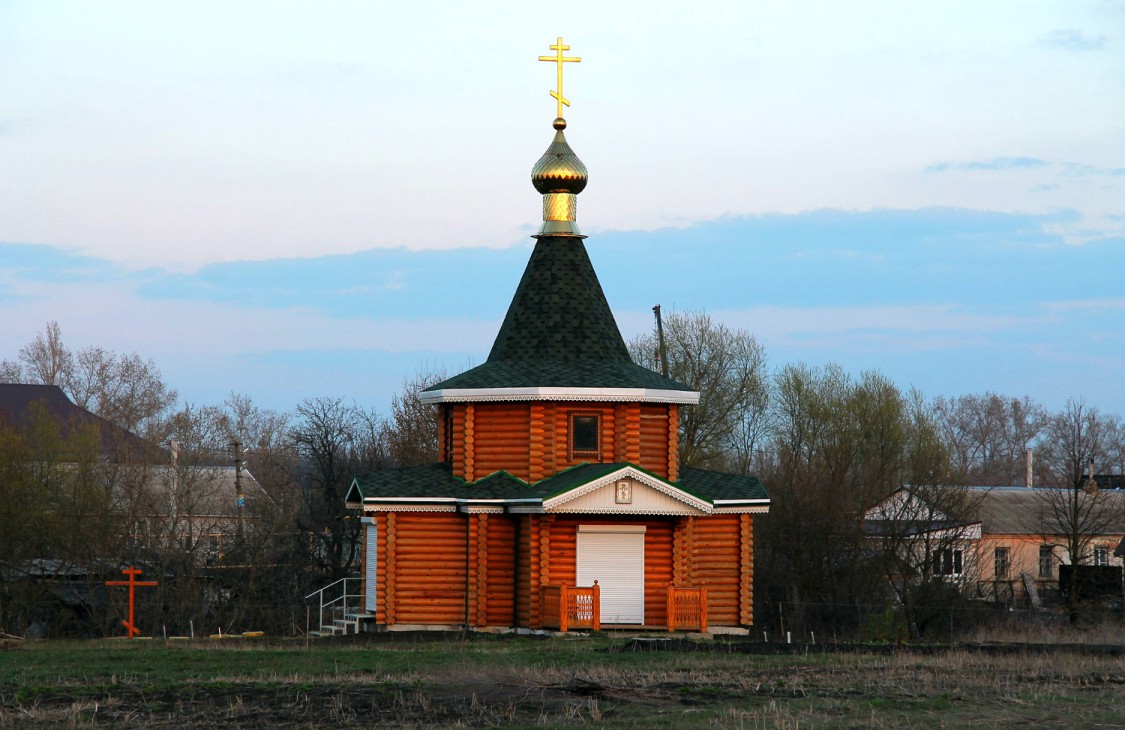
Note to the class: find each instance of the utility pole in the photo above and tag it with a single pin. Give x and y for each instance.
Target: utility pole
(239, 496)
(662, 351)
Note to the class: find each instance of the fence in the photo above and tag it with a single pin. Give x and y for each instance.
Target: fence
(687, 608)
(572, 607)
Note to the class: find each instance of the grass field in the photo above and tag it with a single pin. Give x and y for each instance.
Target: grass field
(488, 681)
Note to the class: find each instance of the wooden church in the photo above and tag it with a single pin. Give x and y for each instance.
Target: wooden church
(558, 501)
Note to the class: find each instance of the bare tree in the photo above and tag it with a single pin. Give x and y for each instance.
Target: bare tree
(45, 359)
(11, 372)
(411, 433)
(57, 518)
(987, 436)
(1072, 509)
(241, 534)
(728, 368)
(927, 534)
(839, 445)
(335, 441)
(124, 389)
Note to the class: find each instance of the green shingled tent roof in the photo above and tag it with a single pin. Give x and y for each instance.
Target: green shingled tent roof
(559, 331)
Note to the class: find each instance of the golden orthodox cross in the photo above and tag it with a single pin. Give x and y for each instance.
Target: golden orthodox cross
(559, 59)
(130, 625)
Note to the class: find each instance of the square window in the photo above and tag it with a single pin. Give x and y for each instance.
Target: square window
(584, 434)
(948, 562)
(1101, 555)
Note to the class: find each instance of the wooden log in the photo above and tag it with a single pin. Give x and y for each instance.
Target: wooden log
(673, 443)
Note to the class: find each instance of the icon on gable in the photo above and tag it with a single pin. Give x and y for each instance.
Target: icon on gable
(624, 492)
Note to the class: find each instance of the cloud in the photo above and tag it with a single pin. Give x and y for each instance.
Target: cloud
(951, 300)
(996, 163)
(886, 320)
(1110, 303)
(1076, 169)
(1073, 40)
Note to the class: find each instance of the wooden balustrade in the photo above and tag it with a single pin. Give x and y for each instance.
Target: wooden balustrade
(687, 608)
(572, 607)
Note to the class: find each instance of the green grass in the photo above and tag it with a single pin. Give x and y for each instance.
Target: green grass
(526, 682)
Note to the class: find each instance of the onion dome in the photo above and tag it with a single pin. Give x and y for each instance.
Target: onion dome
(559, 170)
(559, 175)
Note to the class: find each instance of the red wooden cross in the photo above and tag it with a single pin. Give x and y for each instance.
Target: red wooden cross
(130, 625)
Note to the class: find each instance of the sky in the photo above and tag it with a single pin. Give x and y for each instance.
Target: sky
(294, 200)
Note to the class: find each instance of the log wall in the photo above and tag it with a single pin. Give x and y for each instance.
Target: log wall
(502, 439)
(424, 578)
(422, 575)
(528, 608)
(658, 558)
(531, 439)
(654, 438)
(658, 571)
(716, 551)
(499, 541)
(746, 580)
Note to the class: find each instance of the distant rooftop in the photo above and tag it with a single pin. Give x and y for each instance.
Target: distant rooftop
(17, 401)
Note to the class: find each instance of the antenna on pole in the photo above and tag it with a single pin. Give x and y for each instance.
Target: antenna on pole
(662, 352)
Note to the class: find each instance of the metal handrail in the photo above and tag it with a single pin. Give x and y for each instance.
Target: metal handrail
(343, 597)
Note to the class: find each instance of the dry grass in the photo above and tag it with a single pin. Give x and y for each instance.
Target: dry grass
(1050, 629)
(522, 683)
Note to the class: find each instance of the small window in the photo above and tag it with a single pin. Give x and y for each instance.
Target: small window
(448, 445)
(1046, 561)
(584, 434)
(1001, 562)
(1101, 555)
(947, 562)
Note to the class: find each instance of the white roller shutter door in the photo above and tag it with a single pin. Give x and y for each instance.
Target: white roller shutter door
(614, 555)
(370, 564)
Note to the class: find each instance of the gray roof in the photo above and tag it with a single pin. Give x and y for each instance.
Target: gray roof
(1019, 510)
(210, 490)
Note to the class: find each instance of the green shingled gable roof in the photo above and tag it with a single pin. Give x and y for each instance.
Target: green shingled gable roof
(559, 331)
(437, 482)
(717, 486)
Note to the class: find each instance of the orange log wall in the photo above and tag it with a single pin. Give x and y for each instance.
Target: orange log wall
(654, 439)
(422, 570)
(500, 592)
(717, 552)
(530, 440)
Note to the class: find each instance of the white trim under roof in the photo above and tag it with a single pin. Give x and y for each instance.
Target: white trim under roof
(747, 510)
(616, 395)
(627, 472)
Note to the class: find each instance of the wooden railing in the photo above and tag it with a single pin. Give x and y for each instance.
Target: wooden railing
(572, 607)
(687, 608)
